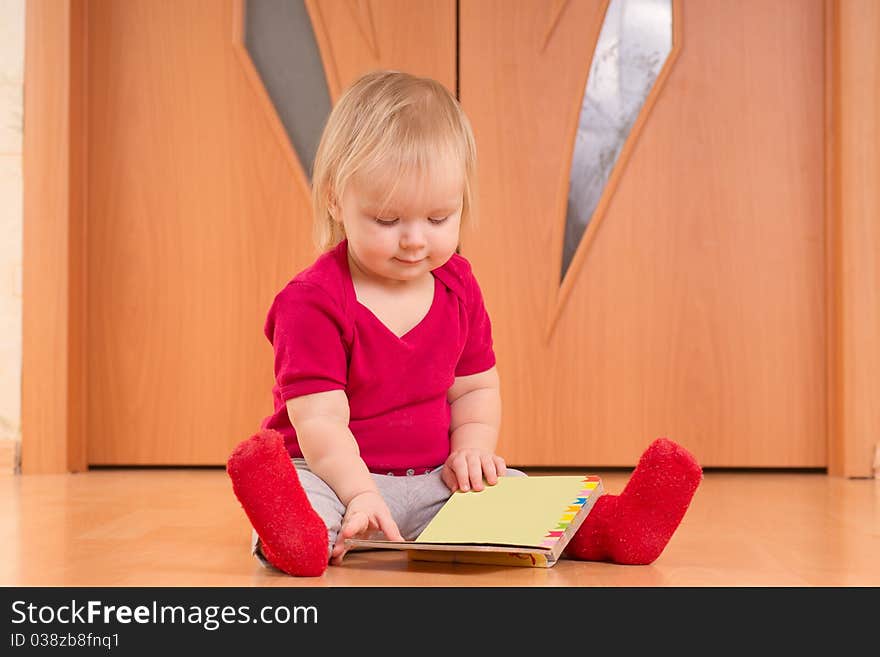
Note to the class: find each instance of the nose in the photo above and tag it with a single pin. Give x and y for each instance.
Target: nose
(412, 238)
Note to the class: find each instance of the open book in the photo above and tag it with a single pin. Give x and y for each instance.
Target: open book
(520, 521)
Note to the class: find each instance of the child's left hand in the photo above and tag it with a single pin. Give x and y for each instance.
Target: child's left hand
(465, 469)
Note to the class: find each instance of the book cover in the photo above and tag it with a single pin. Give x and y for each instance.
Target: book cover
(520, 521)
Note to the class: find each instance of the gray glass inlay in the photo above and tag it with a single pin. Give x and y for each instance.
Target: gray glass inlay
(281, 43)
(635, 40)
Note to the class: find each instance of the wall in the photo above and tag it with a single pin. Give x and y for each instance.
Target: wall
(11, 113)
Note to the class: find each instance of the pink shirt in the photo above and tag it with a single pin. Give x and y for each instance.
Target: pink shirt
(325, 339)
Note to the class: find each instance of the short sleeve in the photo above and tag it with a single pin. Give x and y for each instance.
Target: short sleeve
(478, 354)
(306, 329)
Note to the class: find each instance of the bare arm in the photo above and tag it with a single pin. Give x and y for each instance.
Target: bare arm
(475, 421)
(321, 424)
(330, 449)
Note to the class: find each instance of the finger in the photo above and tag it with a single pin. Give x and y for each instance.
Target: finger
(460, 468)
(500, 466)
(339, 546)
(475, 471)
(337, 555)
(338, 552)
(489, 469)
(448, 478)
(353, 525)
(389, 527)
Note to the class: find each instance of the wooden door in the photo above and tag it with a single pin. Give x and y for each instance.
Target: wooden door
(164, 206)
(198, 211)
(695, 305)
(693, 309)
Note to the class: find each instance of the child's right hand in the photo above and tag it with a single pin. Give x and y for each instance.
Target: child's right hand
(365, 513)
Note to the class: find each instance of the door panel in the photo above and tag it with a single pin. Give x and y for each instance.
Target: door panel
(697, 311)
(196, 217)
(695, 308)
(355, 37)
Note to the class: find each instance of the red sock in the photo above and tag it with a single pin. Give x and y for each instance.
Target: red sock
(293, 537)
(635, 526)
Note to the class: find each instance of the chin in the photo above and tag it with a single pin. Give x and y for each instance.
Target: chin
(411, 273)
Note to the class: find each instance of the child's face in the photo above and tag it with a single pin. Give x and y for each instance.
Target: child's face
(416, 233)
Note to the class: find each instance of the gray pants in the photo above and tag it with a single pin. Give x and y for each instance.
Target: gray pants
(413, 501)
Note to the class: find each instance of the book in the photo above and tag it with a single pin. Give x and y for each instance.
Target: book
(520, 521)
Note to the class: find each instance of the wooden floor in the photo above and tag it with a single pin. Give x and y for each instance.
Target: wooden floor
(185, 528)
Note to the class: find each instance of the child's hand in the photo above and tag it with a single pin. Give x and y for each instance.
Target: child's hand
(365, 513)
(465, 468)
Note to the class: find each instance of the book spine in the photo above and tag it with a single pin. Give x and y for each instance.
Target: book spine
(574, 516)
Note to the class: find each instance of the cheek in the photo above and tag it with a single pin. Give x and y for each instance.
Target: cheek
(361, 230)
(450, 238)
(379, 240)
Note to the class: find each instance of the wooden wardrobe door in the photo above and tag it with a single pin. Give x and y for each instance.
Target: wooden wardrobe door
(695, 308)
(198, 212)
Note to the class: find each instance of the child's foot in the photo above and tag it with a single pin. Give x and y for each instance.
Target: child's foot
(635, 526)
(293, 537)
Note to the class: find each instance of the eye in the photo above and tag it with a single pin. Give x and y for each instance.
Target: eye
(437, 222)
(385, 222)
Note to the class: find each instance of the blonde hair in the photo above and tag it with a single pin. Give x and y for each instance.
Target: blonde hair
(389, 121)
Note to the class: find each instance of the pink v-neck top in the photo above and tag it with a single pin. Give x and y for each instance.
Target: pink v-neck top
(325, 339)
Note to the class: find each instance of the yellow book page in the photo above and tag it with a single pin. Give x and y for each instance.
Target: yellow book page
(516, 511)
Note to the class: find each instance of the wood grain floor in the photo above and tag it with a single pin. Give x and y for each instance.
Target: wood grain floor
(185, 528)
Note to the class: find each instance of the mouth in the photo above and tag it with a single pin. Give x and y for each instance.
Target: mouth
(409, 262)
